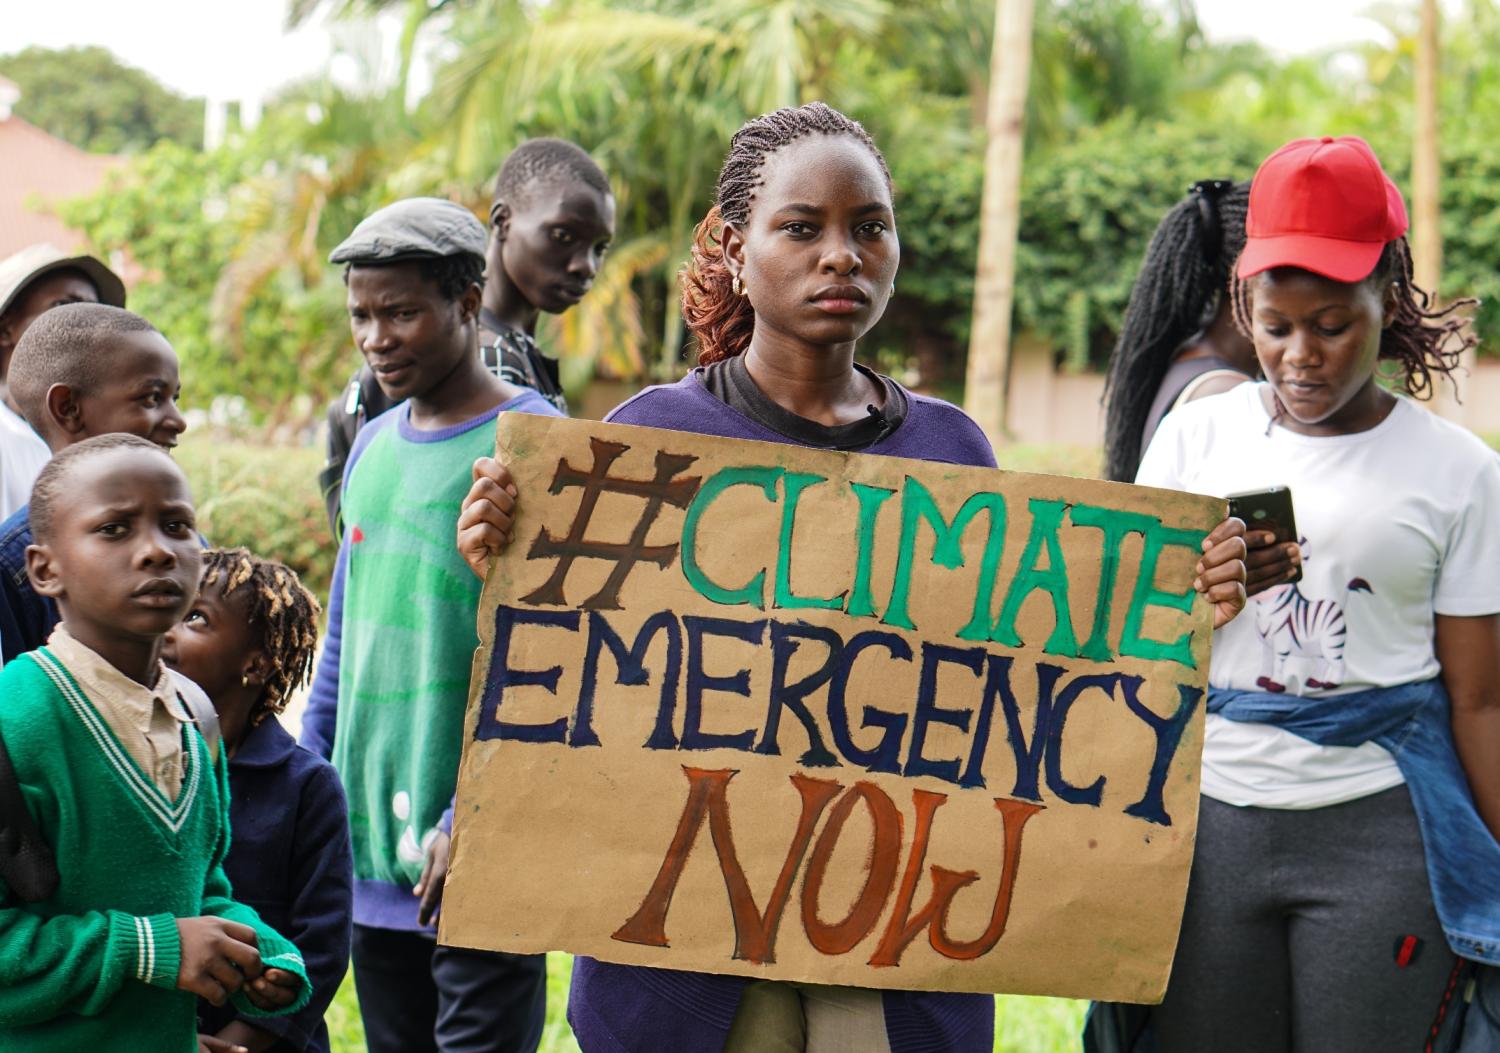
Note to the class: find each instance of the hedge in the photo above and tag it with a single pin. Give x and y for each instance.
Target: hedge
(265, 498)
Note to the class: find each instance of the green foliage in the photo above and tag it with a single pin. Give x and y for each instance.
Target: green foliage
(937, 193)
(1471, 230)
(159, 208)
(1088, 211)
(90, 98)
(234, 244)
(167, 210)
(265, 498)
(1128, 105)
(1095, 60)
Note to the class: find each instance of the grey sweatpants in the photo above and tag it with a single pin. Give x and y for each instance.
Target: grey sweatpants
(1307, 932)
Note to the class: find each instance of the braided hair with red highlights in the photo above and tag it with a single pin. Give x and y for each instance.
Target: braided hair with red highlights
(1421, 339)
(720, 319)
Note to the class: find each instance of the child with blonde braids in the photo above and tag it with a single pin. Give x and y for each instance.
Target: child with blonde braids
(248, 641)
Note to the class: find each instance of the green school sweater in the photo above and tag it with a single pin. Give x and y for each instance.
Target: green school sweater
(406, 605)
(94, 967)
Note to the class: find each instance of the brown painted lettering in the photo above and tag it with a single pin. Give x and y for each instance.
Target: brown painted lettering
(905, 926)
(880, 870)
(754, 931)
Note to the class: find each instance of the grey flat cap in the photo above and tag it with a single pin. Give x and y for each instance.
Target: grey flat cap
(415, 227)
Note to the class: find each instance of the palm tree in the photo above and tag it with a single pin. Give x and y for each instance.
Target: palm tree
(667, 83)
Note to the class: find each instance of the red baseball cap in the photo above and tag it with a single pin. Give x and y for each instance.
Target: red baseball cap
(1324, 205)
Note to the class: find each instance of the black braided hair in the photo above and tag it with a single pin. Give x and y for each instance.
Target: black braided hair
(720, 320)
(281, 611)
(1183, 278)
(1420, 340)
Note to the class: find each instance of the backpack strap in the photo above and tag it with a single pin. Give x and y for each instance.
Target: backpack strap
(203, 713)
(27, 865)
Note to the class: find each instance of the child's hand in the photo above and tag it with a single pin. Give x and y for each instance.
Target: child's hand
(430, 884)
(210, 1044)
(1221, 571)
(217, 957)
(274, 989)
(1269, 564)
(485, 518)
(241, 1035)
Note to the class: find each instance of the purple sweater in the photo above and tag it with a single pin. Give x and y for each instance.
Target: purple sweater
(626, 1008)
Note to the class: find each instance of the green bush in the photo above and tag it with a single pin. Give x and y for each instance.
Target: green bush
(265, 498)
(1088, 211)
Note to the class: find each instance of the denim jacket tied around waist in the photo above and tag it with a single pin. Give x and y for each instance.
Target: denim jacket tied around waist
(1412, 722)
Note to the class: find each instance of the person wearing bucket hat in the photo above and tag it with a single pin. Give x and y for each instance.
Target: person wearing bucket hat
(1346, 852)
(413, 271)
(32, 281)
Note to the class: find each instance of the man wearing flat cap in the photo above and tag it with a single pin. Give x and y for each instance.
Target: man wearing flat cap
(34, 280)
(389, 696)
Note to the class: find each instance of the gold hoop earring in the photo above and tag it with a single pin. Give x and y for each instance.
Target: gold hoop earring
(244, 681)
(738, 286)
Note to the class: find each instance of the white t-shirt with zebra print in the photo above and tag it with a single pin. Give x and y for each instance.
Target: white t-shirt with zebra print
(1398, 523)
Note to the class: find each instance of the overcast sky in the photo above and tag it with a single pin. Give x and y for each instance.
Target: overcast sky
(231, 49)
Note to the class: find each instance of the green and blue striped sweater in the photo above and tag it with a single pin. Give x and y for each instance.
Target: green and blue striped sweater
(388, 700)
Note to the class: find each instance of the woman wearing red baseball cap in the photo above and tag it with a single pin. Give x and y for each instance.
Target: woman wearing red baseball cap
(1351, 766)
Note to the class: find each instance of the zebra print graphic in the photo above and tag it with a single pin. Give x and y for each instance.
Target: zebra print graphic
(1292, 625)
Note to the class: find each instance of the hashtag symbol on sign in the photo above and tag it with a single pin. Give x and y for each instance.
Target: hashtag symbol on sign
(663, 488)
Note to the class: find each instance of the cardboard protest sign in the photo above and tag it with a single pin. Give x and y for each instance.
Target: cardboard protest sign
(755, 709)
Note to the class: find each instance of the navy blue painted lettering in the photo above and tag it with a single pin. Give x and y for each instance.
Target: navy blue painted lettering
(786, 641)
(1094, 792)
(927, 711)
(502, 676)
(1168, 731)
(698, 681)
(886, 755)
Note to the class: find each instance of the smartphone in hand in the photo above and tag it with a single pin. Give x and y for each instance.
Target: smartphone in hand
(1271, 510)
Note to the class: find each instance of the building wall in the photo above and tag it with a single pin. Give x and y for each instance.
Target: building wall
(1049, 406)
(37, 172)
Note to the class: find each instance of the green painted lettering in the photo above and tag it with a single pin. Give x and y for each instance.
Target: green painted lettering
(1148, 595)
(1046, 520)
(871, 498)
(794, 483)
(1116, 525)
(917, 504)
(753, 591)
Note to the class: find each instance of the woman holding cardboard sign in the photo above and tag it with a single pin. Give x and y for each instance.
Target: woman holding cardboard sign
(1333, 758)
(793, 265)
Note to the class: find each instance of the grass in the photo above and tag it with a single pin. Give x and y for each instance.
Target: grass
(1022, 1024)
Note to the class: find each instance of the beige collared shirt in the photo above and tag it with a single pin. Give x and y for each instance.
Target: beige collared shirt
(147, 721)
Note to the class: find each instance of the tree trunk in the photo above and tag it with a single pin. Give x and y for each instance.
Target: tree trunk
(994, 286)
(1426, 229)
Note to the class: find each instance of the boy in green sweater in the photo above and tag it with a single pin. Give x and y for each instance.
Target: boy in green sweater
(120, 784)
